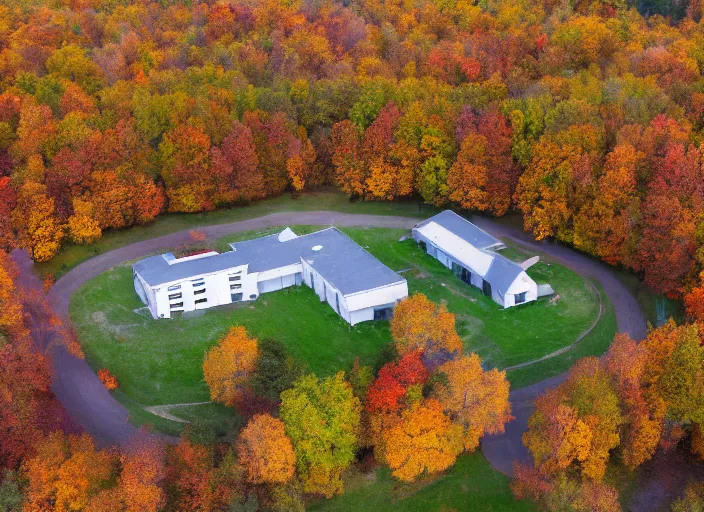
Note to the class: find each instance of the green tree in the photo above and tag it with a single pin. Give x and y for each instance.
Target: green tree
(322, 421)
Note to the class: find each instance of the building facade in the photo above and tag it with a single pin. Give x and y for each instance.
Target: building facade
(472, 255)
(354, 283)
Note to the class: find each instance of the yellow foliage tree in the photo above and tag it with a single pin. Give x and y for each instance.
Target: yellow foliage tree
(419, 324)
(265, 451)
(423, 441)
(228, 366)
(82, 226)
(475, 399)
(38, 230)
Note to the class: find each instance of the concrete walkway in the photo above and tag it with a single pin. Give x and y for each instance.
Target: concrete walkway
(92, 407)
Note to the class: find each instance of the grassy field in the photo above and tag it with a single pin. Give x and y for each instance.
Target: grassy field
(324, 199)
(471, 485)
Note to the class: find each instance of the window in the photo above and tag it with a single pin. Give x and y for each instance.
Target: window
(235, 286)
(201, 301)
(236, 297)
(174, 287)
(177, 305)
(337, 302)
(198, 282)
(383, 313)
(520, 298)
(198, 292)
(235, 278)
(175, 296)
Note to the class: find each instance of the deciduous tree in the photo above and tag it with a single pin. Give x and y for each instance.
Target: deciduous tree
(322, 420)
(265, 451)
(228, 366)
(424, 441)
(418, 324)
(473, 398)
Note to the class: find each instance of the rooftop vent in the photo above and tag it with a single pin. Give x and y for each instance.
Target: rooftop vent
(317, 247)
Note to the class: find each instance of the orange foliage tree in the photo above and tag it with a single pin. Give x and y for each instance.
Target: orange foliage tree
(424, 441)
(419, 324)
(108, 379)
(143, 474)
(228, 366)
(265, 451)
(576, 423)
(67, 473)
(473, 398)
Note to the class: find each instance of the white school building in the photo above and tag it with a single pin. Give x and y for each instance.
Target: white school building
(352, 281)
(471, 253)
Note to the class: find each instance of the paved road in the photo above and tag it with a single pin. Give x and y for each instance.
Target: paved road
(91, 406)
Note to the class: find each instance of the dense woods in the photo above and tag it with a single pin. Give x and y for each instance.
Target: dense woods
(618, 409)
(586, 117)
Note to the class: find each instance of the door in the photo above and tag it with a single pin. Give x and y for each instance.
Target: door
(466, 276)
(486, 288)
(457, 270)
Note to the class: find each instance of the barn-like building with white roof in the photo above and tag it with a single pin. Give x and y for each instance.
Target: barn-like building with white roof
(472, 255)
(352, 281)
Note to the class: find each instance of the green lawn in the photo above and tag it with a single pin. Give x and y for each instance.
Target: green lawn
(471, 485)
(323, 199)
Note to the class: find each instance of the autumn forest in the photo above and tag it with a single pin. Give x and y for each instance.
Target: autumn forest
(584, 117)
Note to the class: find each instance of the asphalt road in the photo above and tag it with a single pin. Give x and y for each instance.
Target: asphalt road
(92, 407)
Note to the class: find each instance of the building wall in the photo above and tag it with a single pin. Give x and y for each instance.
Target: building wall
(215, 288)
(279, 278)
(476, 279)
(523, 283)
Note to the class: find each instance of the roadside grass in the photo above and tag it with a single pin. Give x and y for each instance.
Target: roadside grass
(656, 308)
(593, 344)
(471, 485)
(322, 199)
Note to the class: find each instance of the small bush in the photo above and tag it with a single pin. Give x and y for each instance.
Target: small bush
(108, 379)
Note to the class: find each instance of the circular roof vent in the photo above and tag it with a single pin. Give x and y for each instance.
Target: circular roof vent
(317, 247)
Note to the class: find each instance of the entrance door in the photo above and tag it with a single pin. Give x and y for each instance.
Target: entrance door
(466, 276)
(486, 288)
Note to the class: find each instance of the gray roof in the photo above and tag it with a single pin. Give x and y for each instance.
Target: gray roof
(502, 273)
(463, 228)
(343, 263)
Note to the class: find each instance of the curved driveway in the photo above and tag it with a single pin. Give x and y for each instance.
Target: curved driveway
(91, 406)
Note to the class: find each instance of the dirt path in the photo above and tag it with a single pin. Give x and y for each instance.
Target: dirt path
(91, 406)
(164, 411)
